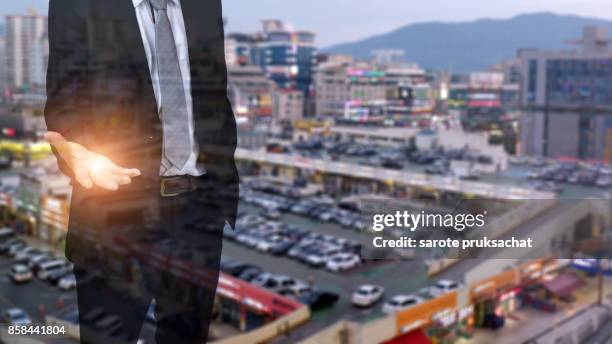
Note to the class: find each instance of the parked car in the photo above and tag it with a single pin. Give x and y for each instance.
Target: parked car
(38, 258)
(16, 317)
(297, 290)
(5, 245)
(54, 277)
(6, 234)
(47, 268)
(24, 254)
(271, 213)
(400, 302)
(281, 248)
(249, 274)
(16, 247)
(272, 282)
(235, 268)
(20, 273)
(367, 295)
(443, 287)
(343, 261)
(319, 299)
(67, 282)
(319, 258)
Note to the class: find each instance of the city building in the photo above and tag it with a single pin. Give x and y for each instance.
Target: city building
(567, 100)
(42, 199)
(250, 91)
(23, 34)
(39, 58)
(288, 105)
(483, 98)
(331, 90)
(366, 92)
(238, 48)
(287, 56)
(388, 56)
(511, 68)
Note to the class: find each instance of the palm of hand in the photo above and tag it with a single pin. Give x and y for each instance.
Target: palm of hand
(91, 168)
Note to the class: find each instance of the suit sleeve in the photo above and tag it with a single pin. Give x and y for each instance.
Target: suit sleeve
(67, 89)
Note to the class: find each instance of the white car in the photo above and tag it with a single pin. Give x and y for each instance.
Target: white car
(26, 252)
(400, 303)
(298, 289)
(367, 295)
(16, 247)
(267, 244)
(39, 258)
(67, 282)
(16, 317)
(20, 273)
(343, 261)
(443, 287)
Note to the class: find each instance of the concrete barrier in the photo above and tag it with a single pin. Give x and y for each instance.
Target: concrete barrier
(342, 332)
(272, 330)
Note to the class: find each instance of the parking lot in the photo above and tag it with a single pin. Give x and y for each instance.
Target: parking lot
(397, 276)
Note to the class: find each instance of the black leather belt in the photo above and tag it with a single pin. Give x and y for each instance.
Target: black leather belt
(174, 186)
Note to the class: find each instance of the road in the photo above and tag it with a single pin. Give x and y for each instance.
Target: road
(31, 296)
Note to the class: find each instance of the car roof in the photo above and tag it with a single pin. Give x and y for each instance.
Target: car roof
(405, 297)
(368, 287)
(15, 311)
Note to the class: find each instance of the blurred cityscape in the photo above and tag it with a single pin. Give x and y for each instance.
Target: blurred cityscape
(528, 139)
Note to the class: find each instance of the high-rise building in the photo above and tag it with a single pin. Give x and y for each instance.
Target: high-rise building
(287, 56)
(39, 58)
(23, 33)
(239, 48)
(567, 100)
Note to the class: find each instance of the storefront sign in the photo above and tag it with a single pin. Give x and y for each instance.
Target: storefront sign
(492, 284)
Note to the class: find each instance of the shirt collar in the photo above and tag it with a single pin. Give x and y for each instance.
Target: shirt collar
(138, 2)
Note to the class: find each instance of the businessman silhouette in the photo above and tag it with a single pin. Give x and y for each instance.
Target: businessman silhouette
(139, 119)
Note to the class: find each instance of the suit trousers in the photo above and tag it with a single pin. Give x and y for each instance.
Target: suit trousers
(146, 259)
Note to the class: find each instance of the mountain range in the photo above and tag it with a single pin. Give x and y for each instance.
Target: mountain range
(475, 45)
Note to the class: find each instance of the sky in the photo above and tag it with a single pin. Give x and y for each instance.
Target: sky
(340, 21)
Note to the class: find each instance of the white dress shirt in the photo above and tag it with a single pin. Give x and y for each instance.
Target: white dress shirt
(144, 14)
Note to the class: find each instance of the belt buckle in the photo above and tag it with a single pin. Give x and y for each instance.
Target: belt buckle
(162, 189)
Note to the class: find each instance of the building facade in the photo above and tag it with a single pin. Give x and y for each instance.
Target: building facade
(250, 91)
(567, 100)
(288, 105)
(23, 34)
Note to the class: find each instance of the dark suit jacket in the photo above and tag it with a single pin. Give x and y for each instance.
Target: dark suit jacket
(100, 92)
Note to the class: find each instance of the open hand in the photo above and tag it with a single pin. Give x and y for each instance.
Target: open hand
(90, 168)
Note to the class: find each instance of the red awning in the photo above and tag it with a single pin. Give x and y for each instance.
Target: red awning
(414, 337)
(564, 284)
